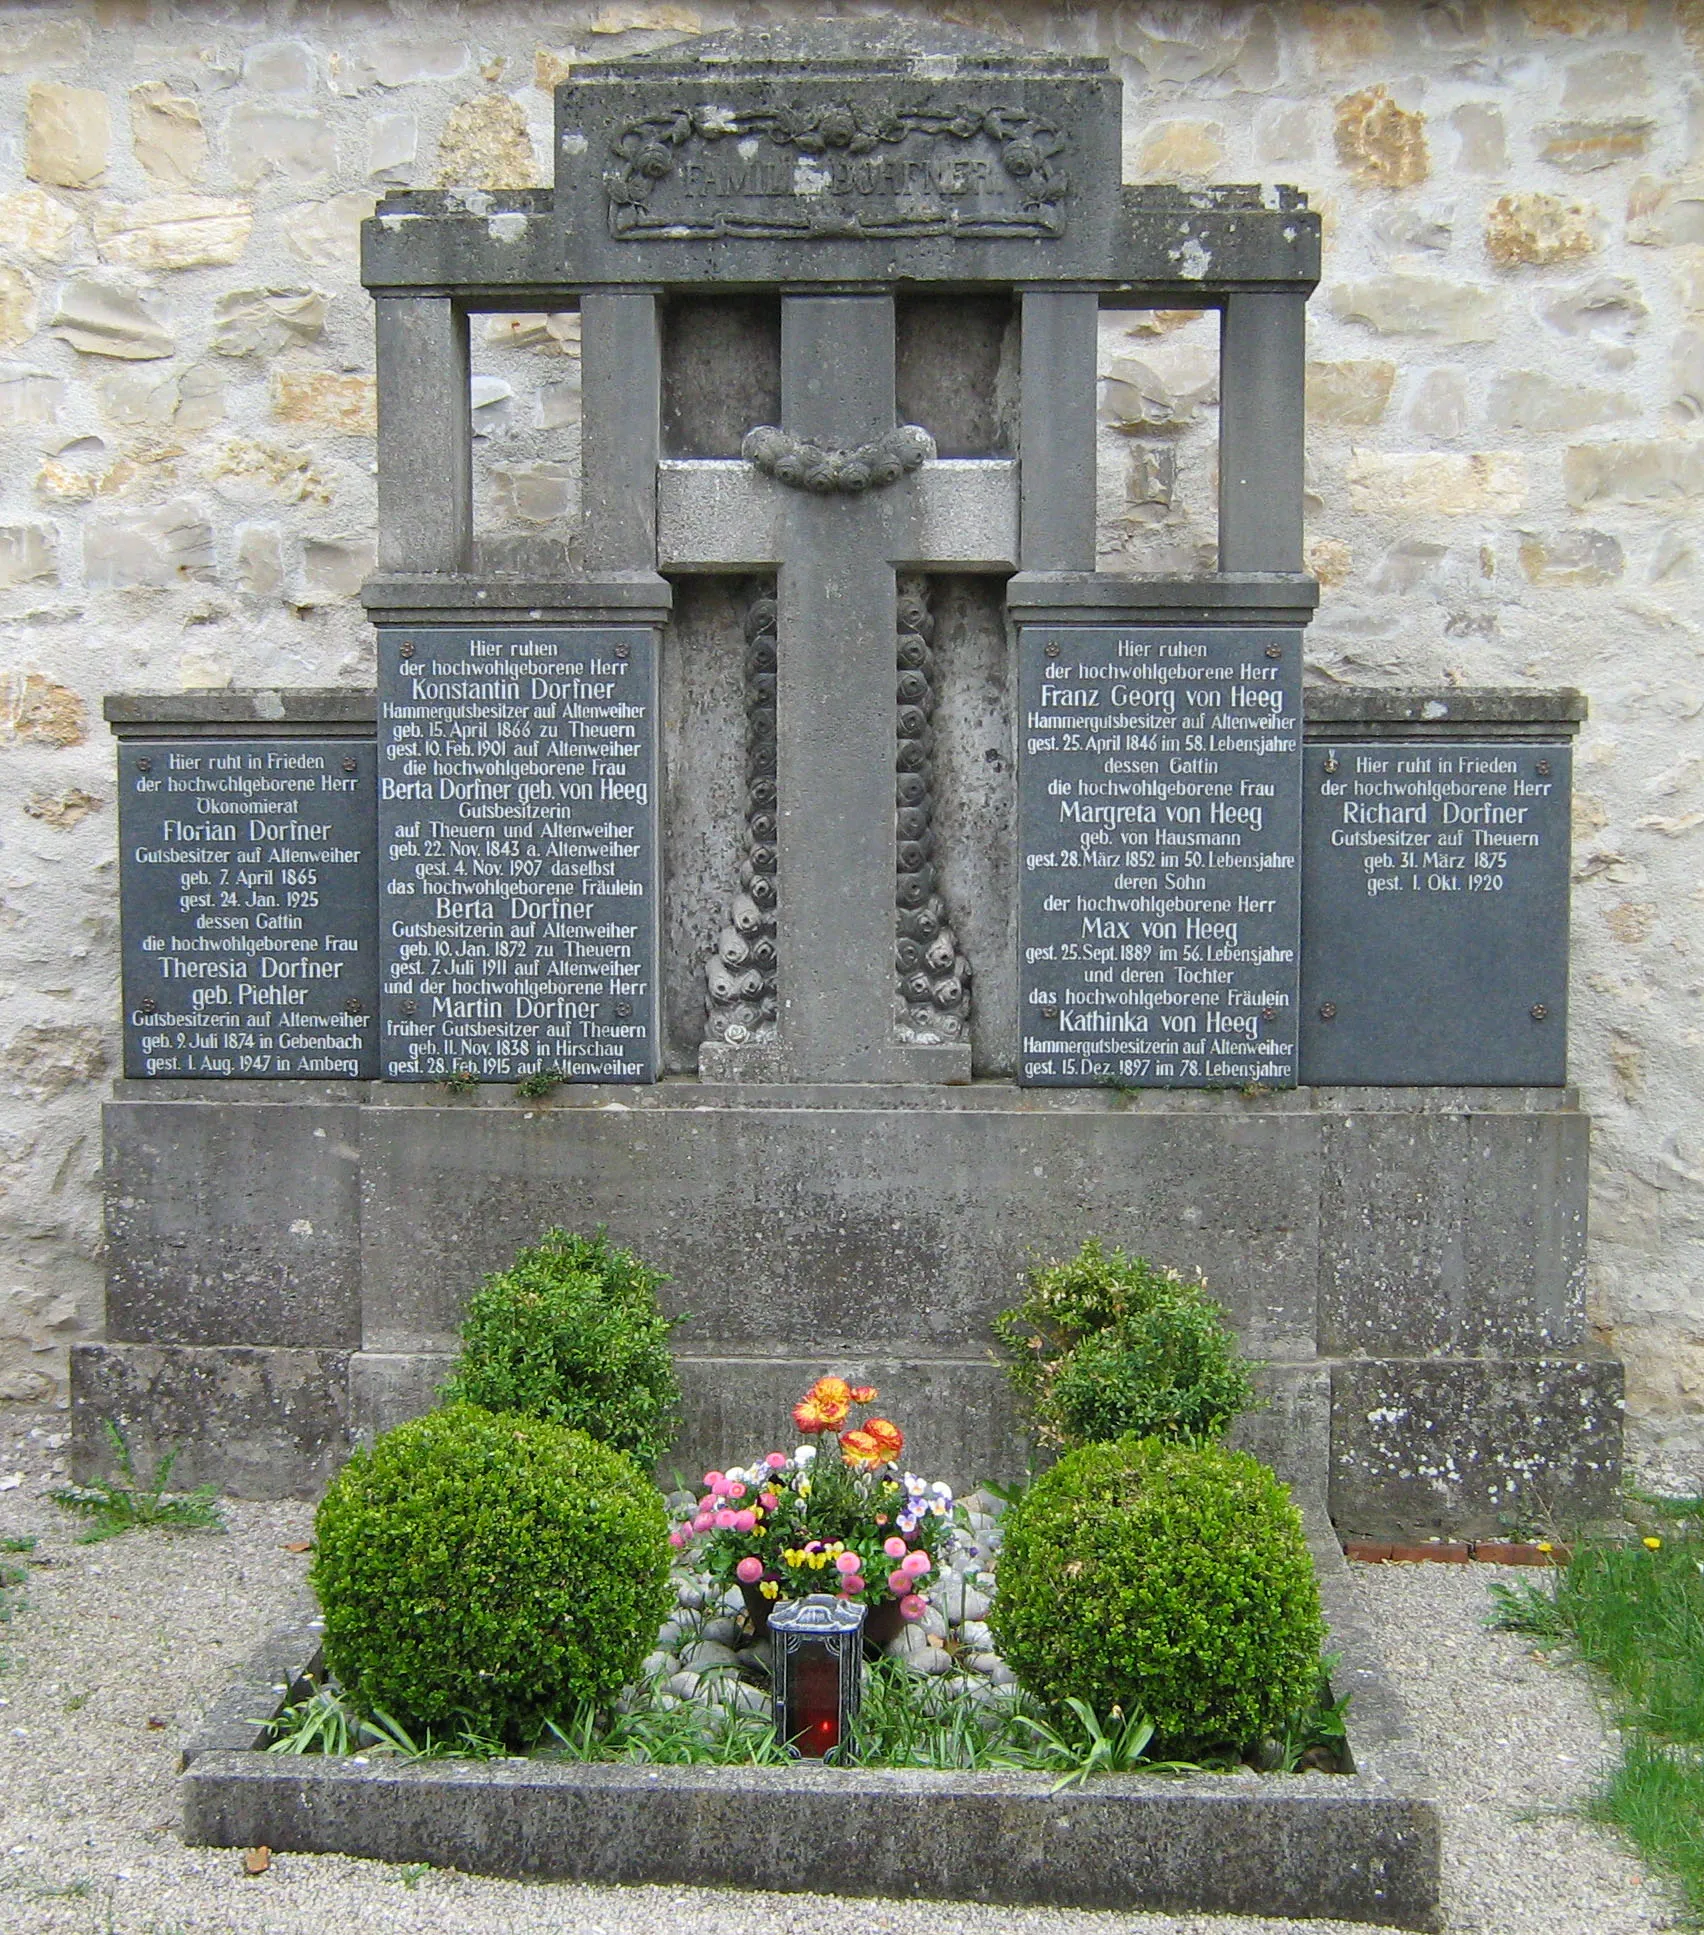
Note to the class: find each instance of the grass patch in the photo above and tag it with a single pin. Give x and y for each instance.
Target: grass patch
(124, 1506)
(1634, 1610)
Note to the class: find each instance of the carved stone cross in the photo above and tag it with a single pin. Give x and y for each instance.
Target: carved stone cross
(836, 556)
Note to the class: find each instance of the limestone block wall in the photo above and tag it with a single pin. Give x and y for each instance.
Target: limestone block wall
(1507, 459)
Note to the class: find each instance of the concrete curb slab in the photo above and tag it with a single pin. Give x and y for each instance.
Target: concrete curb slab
(1359, 1847)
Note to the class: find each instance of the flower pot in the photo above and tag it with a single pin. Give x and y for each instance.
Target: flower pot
(883, 1623)
(757, 1609)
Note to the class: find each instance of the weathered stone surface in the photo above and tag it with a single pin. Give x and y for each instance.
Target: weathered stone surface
(1481, 143)
(167, 134)
(1380, 143)
(1583, 147)
(1181, 151)
(336, 567)
(1440, 405)
(1405, 304)
(1633, 471)
(26, 553)
(326, 400)
(1183, 46)
(1165, 389)
(261, 1423)
(1401, 482)
(1533, 400)
(105, 319)
(1330, 560)
(148, 397)
(264, 322)
(411, 60)
(62, 810)
(1582, 18)
(66, 134)
(17, 307)
(1576, 557)
(393, 141)
(1345, 35)
(253, 471)
(259, 561)
(28, 395)
(1662, 211)
(33, 224)
(281, 67)
(536, 493)
(1537, 230)
(485, 144)
(1349, 394)
(34, 711)
(328, 234)
(172, 231)
(45, 1059)
(264, 141)
(167, 546)
(1609, 78)
(28, 44)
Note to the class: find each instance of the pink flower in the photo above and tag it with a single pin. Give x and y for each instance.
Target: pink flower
(899, 1584)
(848, 1562)
(914, 1564)
(894, 1548)
(749, 1571)
(702, 1521)
(724, 1520)
(677, 1537)
(768, 1501)
(775, 1460)
(712, 1479)
(912, 1607)
(852, 1584)
(744, 1521)
(720, 1486)
(707, 1503)
(736, 1491)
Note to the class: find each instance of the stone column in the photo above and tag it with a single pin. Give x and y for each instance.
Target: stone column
(1262, 357)
(425, 442)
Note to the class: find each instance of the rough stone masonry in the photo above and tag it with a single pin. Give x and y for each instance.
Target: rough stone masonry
(1505, 390)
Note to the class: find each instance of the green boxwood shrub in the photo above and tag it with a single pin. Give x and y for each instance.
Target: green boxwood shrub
(1164, 1579)
(572, 1332)
(1107, 1344)
(489, 1568)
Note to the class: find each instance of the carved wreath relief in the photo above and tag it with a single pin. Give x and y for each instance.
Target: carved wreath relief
(932, 997)
(740, 974)
(842, 170)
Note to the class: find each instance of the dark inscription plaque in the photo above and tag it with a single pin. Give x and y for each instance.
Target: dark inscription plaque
(246, 882)
(517, 837)
(1435, 947)
(1159, 777)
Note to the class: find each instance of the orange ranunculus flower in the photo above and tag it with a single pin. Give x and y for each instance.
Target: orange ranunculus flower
(858, 1448)
(864, 1394)
(832, 1398)
(888, 1437)
(808, 1415)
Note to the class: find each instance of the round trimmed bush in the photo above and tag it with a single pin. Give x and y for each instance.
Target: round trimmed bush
(1170, 1372)
(572, 1331)
(1164, 1579)
(489, 1568)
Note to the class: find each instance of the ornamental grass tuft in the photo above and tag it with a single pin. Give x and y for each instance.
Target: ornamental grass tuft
(1165, 1580)
(484, 1570)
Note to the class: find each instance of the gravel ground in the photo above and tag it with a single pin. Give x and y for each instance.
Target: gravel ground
(120, 1646)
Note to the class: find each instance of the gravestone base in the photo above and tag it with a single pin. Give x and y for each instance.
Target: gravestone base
(288, 1268)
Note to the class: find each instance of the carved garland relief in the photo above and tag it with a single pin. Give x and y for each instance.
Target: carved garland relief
(793, 174)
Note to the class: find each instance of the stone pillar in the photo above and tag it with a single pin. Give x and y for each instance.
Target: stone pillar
(425, 443)
(1059, 356)
(621, 373)
(1262, 357)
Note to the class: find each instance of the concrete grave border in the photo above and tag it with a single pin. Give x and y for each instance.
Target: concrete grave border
(1360, 1847)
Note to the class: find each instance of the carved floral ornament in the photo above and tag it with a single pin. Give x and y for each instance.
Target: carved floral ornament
(849, 139)
(803, 465)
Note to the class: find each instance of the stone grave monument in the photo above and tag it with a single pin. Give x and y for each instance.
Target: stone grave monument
(897, 898)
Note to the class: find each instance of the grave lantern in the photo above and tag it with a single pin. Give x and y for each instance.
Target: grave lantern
(817, 1672)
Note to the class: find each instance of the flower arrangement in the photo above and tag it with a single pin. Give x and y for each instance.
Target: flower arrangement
(835, 1516)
